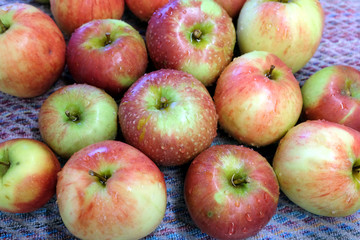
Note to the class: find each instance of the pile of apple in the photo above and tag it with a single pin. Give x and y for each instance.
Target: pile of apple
(167, 117)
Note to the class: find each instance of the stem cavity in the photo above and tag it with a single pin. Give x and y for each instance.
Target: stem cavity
(3, 28)
(164, 103)
(269, 74)
(196, 35)
(108, 40)
(102, 179)
(237, 182)
(72, 117)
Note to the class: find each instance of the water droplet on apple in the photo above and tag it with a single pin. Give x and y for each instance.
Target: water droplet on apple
(231, 230)
(248, 217)
(266, 197)
(261, 214)
(244, 229)
(333, 212)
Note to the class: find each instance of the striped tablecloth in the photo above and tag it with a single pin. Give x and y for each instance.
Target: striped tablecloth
(340, 45)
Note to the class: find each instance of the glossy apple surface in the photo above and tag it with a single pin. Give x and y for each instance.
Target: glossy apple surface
(107, 53)
(232, 7)
(75, 116)
(169, 115)
(110, 190)
(318, 167)
(292, 30)
(194, 36)
(71, 14)
(28, 175)
(144, 9)
(254, 107)
(32, 51)
(231, 192)
(333, 94)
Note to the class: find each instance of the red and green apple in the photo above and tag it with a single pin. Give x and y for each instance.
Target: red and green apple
(169, 115)
(257, 98)
(317, 164)
(28, 175)
(194, 36)
(144, 9)
(232, 7)
(110, 190)
(107, 53)
(32, 50)
(231, 191)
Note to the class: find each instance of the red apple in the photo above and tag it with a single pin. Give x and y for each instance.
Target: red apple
(318, 167)
(333, 94)
(32, 51)
(71, 14)
(144, 9)
(231, 192)
(257, 99)
(110, 190)
(169, 115)
(194, 36)
(107, 53)
(232, 7)
(28, 175)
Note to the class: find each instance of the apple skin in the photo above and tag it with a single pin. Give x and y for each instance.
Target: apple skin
(71, 14)
(130, 205)
(32, 50)
(232, 7)
(96, 112)
(292, 30)
(112, 66)
(333, 94)
(222, 210)
(253, 108)
(30, 181)
(171, 41)
(175, 133)
(144, 9)
(317, 165)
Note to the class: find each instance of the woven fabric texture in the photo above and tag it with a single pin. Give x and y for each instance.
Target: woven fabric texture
(340, 45)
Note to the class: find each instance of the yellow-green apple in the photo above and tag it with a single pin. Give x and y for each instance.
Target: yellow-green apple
(318, 167)
(232, 7)
(71, 14)
(144, 9)
(257, 98)
(333, 94)
(231, 191)
(110, 190)
(28, 175)
(169, 115)
(75, 116)
(194, 36)
(291, 29)
(107, 53)
(32, 50)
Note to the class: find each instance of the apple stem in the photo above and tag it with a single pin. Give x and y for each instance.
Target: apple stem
(3, 28)
(5, 164)
(196, 35)
(238, 181)
(163, 103)
(108, 39)
(71, 117)
(269, 74)
(101, 178)
(284, 1)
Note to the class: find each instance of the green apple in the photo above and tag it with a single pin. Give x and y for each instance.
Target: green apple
(28, 175)
(76, 116)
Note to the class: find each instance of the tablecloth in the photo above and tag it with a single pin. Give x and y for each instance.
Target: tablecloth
(340, 45)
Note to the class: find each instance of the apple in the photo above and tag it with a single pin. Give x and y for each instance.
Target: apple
(232, 7)
(169, 115)
(71, 14)
(333, 94)
(28, 175)
(318, 167)
(231, 191)
(108, 54)
(144, 9)
(257, 99)
(76, 116)
(291, 29)
(32, 51)
(110, 190)
(194, 36)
